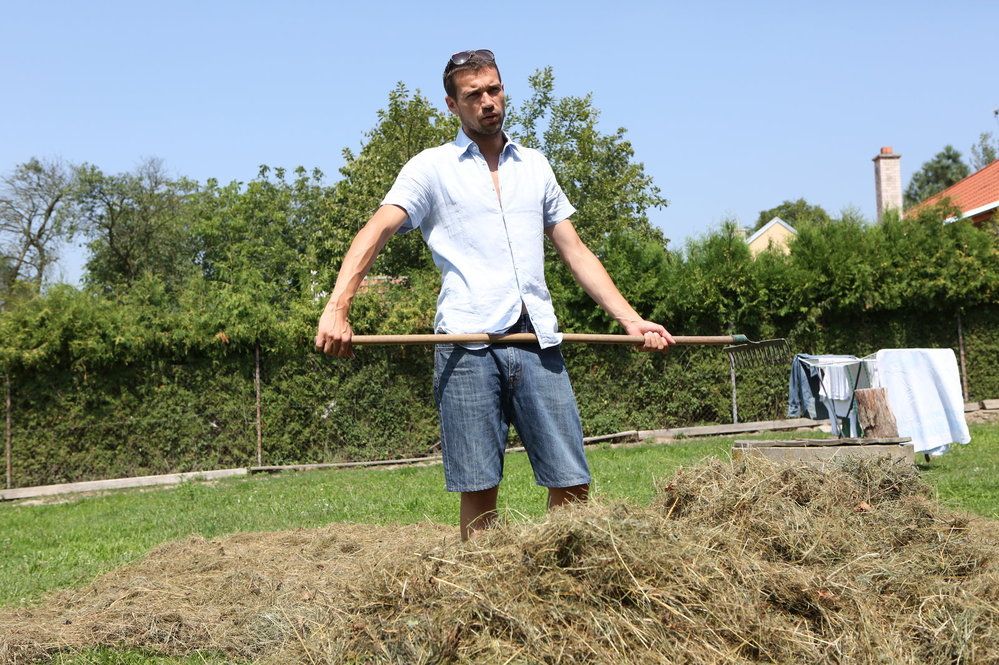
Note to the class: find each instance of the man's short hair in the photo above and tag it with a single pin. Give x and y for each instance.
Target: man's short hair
(475, 61)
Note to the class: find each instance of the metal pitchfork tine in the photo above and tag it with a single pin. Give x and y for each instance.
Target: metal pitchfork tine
(745, 353)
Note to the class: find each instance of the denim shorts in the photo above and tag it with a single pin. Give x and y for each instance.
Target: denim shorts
(480, 392)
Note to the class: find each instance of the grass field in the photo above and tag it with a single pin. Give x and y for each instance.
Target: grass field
(67, 544)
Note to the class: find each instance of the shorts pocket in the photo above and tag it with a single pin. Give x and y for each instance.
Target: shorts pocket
(442, 352)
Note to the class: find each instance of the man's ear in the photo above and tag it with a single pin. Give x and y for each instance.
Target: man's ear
(452, 106)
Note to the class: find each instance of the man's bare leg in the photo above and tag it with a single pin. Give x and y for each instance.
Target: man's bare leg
(478, 511)
(559, 496)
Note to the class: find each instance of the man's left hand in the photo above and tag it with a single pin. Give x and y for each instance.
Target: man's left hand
(657, 338)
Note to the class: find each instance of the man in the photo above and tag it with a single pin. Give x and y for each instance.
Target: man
(484, 205)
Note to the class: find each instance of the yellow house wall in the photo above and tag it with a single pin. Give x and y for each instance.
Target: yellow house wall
(777, 235)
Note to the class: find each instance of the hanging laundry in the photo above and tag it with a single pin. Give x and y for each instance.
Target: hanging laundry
(924, 394)
(822, 386)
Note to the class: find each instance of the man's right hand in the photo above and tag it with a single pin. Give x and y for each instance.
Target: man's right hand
(334, 334)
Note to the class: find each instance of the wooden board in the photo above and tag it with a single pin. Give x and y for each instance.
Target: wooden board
(823, 456)
(618, 436)
(732, 428)
(429, 459)
(808, 443)
(116, 483)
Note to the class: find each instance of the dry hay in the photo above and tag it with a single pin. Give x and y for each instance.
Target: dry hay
(738, 563)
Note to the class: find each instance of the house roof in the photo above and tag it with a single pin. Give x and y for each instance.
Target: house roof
(975, 194)
(776, 221)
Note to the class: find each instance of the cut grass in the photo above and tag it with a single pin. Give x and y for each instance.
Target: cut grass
(67, 544)
(110, 656)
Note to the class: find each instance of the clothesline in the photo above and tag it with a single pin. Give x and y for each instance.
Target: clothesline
(923, 387)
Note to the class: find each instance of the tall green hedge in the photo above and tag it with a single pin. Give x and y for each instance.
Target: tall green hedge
(199, 412)
(159, 376)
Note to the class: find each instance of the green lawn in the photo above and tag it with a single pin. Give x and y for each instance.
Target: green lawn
(66, 544)
(967, 477)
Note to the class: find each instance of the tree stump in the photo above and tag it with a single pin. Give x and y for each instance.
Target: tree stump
(876, 418)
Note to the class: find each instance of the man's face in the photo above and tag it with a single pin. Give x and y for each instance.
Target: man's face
(479, 101)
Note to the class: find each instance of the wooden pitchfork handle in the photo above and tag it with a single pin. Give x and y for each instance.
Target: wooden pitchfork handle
(528, 338)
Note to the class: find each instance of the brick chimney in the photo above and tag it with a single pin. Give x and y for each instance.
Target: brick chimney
(888, 181)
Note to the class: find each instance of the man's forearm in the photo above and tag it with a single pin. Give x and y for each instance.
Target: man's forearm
(361, 255)
(590, 273)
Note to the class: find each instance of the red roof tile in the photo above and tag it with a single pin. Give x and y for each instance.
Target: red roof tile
(977, 190)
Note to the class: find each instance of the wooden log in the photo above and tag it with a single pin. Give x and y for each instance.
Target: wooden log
(876, 418)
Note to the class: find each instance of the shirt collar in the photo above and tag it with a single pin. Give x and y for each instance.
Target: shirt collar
(466, 146)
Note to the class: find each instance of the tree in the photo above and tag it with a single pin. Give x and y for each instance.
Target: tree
(984, 152)
(137, 223)
(597, 171)
(713, 288)
(33, 207)
(254, 251)
(936, 175)
(610, 190)
(832, 268)
(409, 125)
(795, 213)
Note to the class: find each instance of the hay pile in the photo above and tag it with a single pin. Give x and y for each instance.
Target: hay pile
(732, 563)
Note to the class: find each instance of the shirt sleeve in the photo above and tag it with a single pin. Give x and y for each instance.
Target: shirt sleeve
(411, 192)
(557, 206)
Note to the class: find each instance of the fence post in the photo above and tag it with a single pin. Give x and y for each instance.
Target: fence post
(256, 386)
(8, 434)
(735, 402)
(964, 366)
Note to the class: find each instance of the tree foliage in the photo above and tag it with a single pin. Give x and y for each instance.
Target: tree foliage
(255, 251)
(597, 170)
(610, 190)
(796, 213)
(407, 126)
(984, 152)
(936, 175)
(33, 220)
(136, 224)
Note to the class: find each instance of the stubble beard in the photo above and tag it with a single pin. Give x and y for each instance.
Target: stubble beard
(478, 129)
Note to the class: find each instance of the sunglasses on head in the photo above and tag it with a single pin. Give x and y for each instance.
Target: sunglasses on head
(461, 57)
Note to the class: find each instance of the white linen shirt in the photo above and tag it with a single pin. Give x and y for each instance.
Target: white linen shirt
(490, 250)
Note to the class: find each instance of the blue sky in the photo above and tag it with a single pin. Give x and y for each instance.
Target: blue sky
(732, 106)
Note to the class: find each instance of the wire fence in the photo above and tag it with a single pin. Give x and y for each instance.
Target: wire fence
(253, 407)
